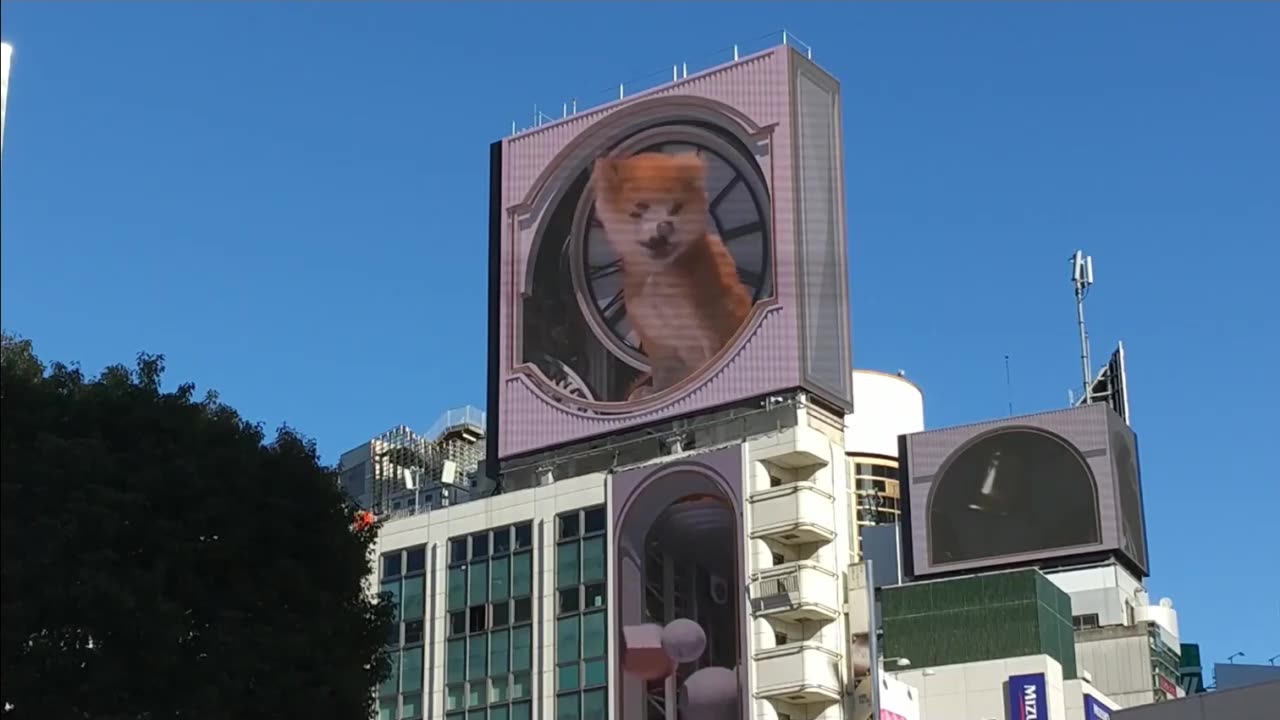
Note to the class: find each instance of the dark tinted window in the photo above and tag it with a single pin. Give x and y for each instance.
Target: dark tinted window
(415, 560)
(391, 565)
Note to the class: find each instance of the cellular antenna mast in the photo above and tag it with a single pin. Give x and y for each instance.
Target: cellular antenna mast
(1082, 280)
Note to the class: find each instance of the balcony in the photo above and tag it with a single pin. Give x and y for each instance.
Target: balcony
(795, 513)
(795, 592)
(800, 673)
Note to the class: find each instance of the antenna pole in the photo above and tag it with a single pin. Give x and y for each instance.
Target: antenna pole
(1082, 280)
(1008, 384)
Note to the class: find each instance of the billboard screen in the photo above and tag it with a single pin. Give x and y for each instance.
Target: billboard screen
(669, 253)
(680, 618)
(1023, 490)
(1026, 699)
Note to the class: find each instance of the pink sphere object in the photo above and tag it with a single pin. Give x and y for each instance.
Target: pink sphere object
(710, 694)
(684, 640)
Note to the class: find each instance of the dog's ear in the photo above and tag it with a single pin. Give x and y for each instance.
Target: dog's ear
(690, 171)
(606, 175)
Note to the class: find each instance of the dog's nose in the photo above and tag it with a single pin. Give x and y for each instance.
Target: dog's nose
(666, 228)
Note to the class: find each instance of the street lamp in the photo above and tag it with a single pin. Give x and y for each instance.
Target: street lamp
(1234, 655)
(898, 662)
(1272, 660)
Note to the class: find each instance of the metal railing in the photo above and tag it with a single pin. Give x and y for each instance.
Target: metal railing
(457, 417)
(657, 78)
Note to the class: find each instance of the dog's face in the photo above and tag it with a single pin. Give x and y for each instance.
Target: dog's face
(653, 206)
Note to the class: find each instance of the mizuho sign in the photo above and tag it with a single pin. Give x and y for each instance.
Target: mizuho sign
(1026, 698)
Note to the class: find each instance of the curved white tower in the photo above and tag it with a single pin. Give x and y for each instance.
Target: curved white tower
(886, 406)
(6, 52)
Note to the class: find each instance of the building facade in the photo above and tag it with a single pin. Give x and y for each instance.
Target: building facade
(887, 406)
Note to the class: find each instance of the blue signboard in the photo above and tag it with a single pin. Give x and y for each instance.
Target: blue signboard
(1027, 699)
(1095, 710)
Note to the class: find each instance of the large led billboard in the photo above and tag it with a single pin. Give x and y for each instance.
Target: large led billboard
(669, 253)
(680, 616)
(1023, 490)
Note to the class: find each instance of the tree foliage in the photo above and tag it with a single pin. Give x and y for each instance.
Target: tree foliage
(161, 559)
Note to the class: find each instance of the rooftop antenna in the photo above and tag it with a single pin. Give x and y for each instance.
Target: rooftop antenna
(1082, 280)
(1008, 384)
(6, 53)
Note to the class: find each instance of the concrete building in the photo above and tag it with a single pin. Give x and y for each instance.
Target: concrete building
(403, 472)
(887, 406)
(1250, 702)
(978, 690)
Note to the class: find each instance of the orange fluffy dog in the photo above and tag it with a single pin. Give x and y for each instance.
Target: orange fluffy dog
(680, 284)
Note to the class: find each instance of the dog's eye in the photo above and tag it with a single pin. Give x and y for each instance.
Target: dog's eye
(641, 207)
(675, 209)
(636, 214)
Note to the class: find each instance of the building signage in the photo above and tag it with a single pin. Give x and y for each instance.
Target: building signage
(1167, 686)
(1027, 699)
(1095, 710)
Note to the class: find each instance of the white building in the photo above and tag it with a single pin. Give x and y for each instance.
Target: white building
(977, 690)
(885, 406)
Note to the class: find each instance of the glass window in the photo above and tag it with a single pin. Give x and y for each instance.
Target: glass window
(593, 560)
(520, 686)
(502, 541)
(391, 565)
(479, 585)
(567, 640)
(568, 706)
(387, 708)
(457, 550)
(522, 574)
(521, 648)
(412, 632)
(501, 615)
(498, 690)
(480, 545)
(415, 560)
(413, 597)
(411, 673)
(393, 635)
(593, 596)
(567, 572)
(499, 653)
(567, 677)
(455, 716)
(500, 578)
(391, 685)
(477, 622)
(569, 526)
(593, 635)
(477, 657)
(593, 704)
(456, 661)
(520, 711)
(476, 714)
(524, 536)
(522, 610)
(412, 708)
(498, 713)
(476, 694)
(595, 672)
(453, 697)
(569, 600)
(593, 521)
(457, 588)
(458, 622)
(392, 587)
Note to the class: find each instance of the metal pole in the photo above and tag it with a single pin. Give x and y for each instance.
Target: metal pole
(735, 53)
(621, 94)
(1084, 340)
(784, 37)
(6, 53)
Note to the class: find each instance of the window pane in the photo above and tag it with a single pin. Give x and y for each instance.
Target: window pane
(500, 578)
(455, 716)
(391, 564)
(567, 639)
(457, 588)
(478, 617)
(569, 600)
(524, 536)
(480, 545)
(522, 648)
(411, 673)
(594, 596)
(457, 622)
(567, 677)
(593, 704)
(520, 711)
(593, 635)
(477, 657)
(520, 686)
(498, 713)
(412, 708)
(567, 564)
(391, 685)
(568, 706)
(568, 526)
(501, 615)
(498, 690)
(593, 560)
(415, 560)
(413, 597)
(455, 663)
(522, 574)
(393, 588)
(475, 694)
(476, 714)
(479, 590)
(502, 541)
(457, 550)
(412, 632)
(522, 610)
(387, 708)
(593, 521)
(595, 673)
(454, 695)
(499, 653)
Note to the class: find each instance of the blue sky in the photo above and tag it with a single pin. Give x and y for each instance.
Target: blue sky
(289, 201)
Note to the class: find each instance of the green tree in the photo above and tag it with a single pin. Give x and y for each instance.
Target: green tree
(162, 560)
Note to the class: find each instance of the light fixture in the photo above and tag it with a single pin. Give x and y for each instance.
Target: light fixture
(1234, 655)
